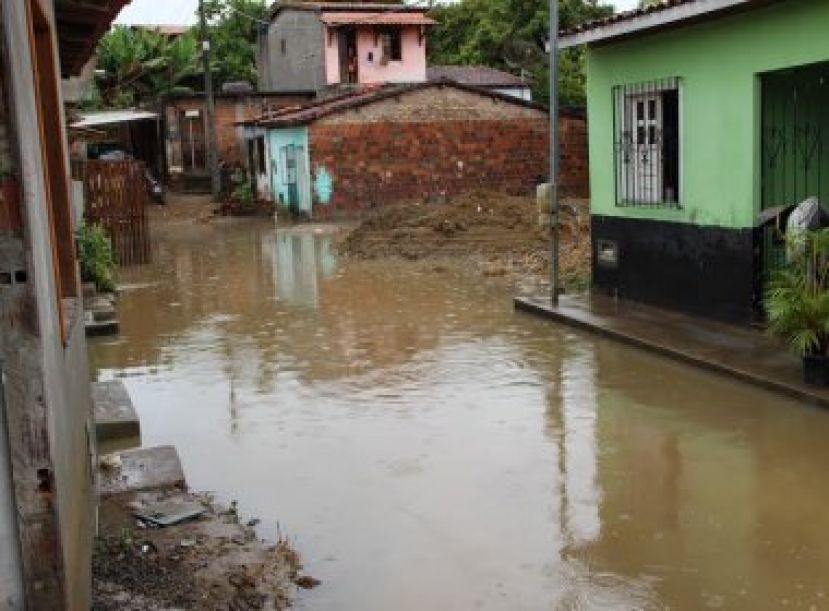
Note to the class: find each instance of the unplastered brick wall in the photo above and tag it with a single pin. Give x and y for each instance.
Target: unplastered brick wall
(376, 163)
(230, 110)
(441, 141)
(574, 176)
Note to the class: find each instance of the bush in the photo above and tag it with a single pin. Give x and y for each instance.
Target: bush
(243, 194)
(96, 258)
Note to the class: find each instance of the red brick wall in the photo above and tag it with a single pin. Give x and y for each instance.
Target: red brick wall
(229, 111)
(375, 163)
(574, 176)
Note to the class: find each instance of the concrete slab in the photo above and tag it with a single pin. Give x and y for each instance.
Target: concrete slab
(114, 412)
(100, 328)
(142, 469)
(742, 353)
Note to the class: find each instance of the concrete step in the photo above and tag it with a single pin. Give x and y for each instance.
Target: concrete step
(99, 328)
(141, 469)
(114, 412)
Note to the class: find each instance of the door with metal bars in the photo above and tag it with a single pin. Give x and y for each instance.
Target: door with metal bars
(794, 141)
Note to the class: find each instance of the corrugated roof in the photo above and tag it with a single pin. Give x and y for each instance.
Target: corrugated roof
(301, 115)
(481, 76)
(335, 19)
(107, 117)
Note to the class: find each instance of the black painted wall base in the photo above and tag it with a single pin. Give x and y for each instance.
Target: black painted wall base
(709, 271)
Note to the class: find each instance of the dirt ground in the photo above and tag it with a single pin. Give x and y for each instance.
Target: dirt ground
(212, 562)
(499, 234)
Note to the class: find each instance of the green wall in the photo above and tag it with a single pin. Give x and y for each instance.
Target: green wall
(719, 64)
(277, 139)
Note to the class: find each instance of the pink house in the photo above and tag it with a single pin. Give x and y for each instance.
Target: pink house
(311, 46)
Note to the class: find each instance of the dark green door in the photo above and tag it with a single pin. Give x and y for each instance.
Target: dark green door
(795, 146)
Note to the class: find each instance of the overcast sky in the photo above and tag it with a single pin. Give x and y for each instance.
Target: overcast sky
(183, 11)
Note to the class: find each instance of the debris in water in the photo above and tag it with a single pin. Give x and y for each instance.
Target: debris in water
(306, 582)
(166, 514)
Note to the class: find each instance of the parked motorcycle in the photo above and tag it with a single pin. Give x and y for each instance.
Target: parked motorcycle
(155, 189)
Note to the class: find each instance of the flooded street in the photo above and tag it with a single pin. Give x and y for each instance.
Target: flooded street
(428, 448)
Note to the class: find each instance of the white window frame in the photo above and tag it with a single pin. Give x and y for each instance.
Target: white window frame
(639, 145)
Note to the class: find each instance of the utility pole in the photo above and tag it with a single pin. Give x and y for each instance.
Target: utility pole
(210, 105)
(554, 207)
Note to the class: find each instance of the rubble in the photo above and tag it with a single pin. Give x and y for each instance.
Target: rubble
(211, 561)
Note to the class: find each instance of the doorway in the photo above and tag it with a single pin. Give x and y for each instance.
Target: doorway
(192, 141)
(349, 64)
(794, 148)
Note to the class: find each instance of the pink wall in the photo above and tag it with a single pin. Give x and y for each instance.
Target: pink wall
(412, 68)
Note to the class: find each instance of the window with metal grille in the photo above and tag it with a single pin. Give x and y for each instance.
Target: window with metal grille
(646, 118)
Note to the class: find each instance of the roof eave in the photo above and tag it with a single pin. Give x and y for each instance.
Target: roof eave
(683, 14)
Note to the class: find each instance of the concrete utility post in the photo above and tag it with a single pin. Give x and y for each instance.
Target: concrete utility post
(210, 106)
(554, 209)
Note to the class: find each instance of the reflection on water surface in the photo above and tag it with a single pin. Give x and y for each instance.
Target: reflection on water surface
(430, 449)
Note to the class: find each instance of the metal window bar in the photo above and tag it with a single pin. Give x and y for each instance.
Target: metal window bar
(646, 144)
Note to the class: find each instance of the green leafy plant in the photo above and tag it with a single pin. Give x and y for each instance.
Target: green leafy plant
(797, 298)
(243, 194)
(96, 258)
(137, 66)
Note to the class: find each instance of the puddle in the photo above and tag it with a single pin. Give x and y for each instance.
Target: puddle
(428, 448)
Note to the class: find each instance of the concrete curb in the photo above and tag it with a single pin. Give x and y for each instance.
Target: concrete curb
(527, 305)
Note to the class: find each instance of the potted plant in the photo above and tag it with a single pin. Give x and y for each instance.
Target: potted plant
(797, 302)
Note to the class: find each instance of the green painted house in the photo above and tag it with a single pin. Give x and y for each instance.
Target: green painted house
(702, 114)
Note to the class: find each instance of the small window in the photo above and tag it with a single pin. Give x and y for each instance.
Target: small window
(283, 45)
(392, 45)
(647, 144)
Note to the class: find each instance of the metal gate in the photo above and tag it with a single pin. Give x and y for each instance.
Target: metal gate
(795, 137)
(115, 196)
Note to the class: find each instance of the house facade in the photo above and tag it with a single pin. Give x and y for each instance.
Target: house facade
(341, 157)
(46, 483)
(702, 114)
(320, 45)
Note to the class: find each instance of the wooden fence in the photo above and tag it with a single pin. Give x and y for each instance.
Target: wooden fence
(115, 196)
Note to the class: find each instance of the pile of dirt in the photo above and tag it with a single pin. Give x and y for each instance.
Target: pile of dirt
(500, 233)
(212, 562)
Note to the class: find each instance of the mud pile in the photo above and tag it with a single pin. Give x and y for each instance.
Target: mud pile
(500, 233)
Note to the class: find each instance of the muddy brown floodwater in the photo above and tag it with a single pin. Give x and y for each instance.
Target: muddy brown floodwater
(428, 448)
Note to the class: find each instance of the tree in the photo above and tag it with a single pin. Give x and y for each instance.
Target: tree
(511, 35)
(234, 26)
(138, 66)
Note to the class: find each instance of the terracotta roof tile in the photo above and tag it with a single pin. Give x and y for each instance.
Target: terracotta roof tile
(624, 16)
(481, 76)
(307, 113)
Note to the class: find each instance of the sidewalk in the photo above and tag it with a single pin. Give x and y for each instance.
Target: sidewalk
(739, 352)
